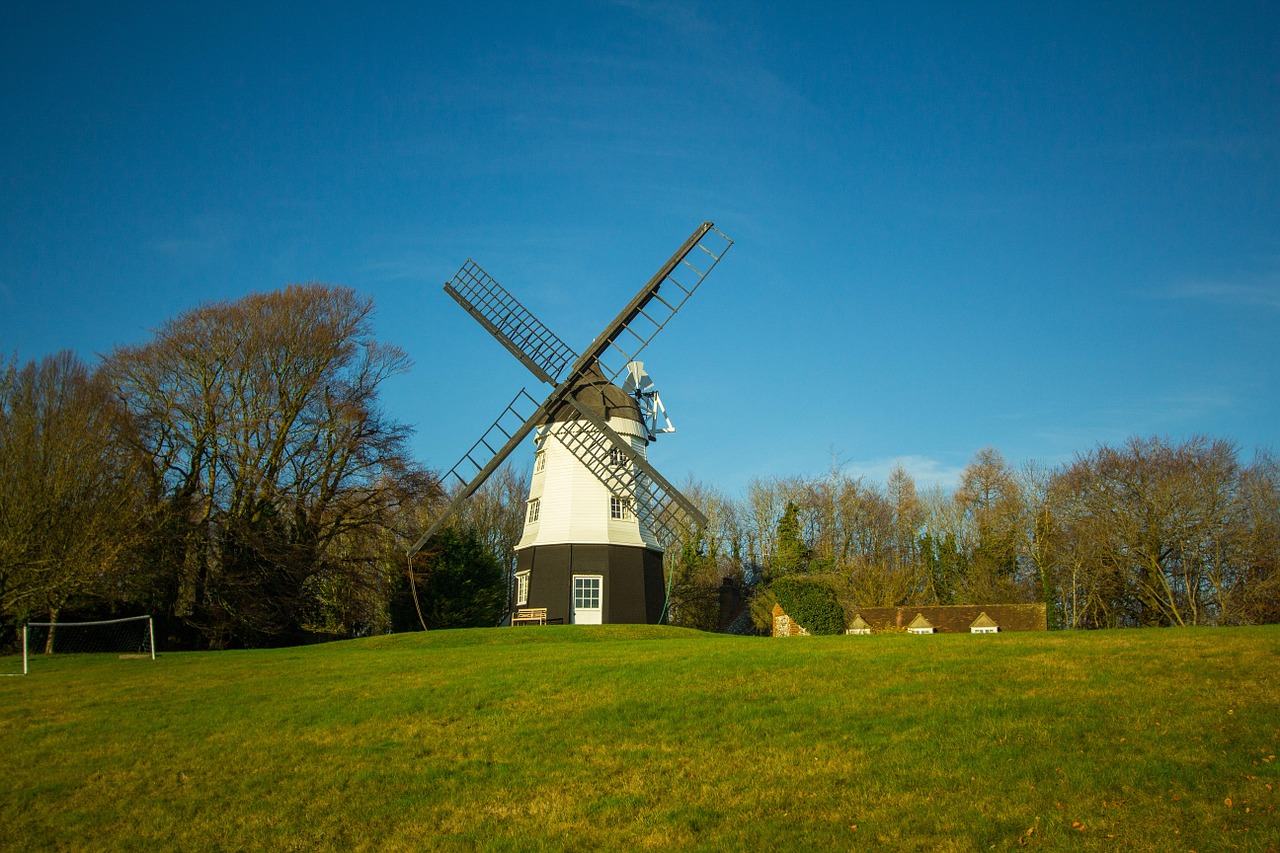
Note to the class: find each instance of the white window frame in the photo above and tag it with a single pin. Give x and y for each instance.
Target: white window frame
(619, 508)
(522, 588)
(539, 461)
(594, 581)
(534, 510)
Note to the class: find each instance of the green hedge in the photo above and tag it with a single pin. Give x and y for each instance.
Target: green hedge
(812, 605)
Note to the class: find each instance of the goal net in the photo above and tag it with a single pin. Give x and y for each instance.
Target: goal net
(131, 637)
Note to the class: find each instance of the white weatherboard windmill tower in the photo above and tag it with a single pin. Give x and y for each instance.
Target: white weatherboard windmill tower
(599, 515)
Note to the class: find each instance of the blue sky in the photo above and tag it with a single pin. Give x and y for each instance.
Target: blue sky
(1030, 226)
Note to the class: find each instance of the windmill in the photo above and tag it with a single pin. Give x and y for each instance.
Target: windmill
(599, 515)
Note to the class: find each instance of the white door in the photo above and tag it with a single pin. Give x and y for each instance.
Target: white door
(586, 599)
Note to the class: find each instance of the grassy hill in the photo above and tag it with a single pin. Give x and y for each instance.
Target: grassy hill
(623, 737)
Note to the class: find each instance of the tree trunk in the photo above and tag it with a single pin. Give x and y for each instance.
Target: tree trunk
(53, 626)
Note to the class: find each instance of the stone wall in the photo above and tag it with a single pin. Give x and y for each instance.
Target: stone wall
(784, 625)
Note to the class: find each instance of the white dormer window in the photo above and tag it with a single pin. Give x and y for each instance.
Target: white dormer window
(532, 515)
(619, 508)
(921, 625)
(984, 624)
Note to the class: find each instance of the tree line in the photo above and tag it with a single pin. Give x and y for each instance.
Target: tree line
(1149, 533)
(236, 477)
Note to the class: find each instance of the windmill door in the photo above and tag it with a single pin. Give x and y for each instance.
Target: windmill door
(586, 599)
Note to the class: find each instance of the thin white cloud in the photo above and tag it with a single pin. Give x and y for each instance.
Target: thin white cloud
(1195, 404)
(925, 471)
(1262, 291)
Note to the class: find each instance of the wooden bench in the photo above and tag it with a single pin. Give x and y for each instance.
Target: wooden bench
(530, 616)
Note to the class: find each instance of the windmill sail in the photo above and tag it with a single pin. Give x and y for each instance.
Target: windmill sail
(508, 430)
(639, 385)
(649, 311)
(511, 323)
(667, 513)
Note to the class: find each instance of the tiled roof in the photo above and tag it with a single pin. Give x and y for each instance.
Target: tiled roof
(956, 619)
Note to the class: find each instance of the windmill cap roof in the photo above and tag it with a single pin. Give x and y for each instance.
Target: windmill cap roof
(599, 395)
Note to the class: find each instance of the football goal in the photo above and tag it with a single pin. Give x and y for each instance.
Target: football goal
(131, 637)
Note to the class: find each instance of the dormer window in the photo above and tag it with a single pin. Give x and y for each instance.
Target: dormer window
(858, 625)
(921, 625)
(984, 624)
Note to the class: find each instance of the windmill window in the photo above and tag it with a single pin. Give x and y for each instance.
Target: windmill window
(522, 588)
(620, 508)
(539, 461)
(534, 506)
(586, 592)
(617, 458)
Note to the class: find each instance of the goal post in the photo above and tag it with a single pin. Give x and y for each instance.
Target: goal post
(129, 637)
(13, 657)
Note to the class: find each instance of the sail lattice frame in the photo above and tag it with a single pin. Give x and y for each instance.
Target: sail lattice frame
(653, 308)
(511, 323)
(661, 507)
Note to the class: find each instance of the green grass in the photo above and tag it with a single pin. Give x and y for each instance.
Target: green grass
(654, 738)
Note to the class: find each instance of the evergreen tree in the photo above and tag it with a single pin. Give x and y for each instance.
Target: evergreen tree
(791, 555)
(945, 565)
(460, 585)
(695, 589)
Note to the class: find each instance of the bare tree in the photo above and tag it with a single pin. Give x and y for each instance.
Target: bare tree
(908, 519)
(704, 565)
(993, 505)
(70, 501)
(945, 544)
(496, 512)
(1159, 526)
(1256, 597)
(269, 455)
(765, 502)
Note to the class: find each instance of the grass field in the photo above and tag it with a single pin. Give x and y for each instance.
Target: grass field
(624, 737)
